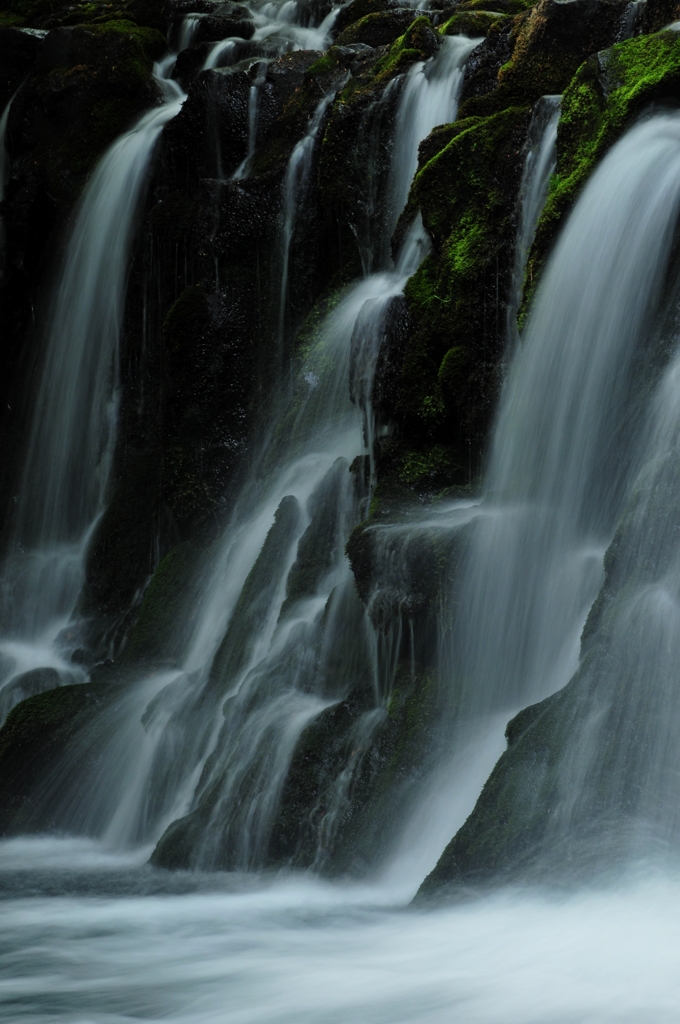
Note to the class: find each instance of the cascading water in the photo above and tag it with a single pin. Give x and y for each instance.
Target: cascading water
(265, 658)
(560, 465)
(64, 482)
(259, 79)
(539, 165)
(279, 635)
(279, 28)
(295, 185)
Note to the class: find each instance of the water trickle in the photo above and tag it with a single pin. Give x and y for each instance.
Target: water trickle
(295, 185)
(187, 32)
(65, 477)
(220, 54)
(259, 78)
(429, 98)
(4, 173)
(539, 165)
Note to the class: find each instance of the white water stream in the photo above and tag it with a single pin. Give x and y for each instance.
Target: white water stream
(64, 484)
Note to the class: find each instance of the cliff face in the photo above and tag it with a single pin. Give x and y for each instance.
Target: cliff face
(207, 347)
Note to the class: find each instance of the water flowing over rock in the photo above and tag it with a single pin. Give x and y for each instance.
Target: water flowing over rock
(339, 404)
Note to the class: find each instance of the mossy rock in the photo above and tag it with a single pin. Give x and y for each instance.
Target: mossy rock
(355, 771)
(448, 379)
(18, 53)
(418, 43)
(474, 23)
(87, 86)
(378, 29)
(168, 608)
(548, 44)
(604, 98)
(45, 14)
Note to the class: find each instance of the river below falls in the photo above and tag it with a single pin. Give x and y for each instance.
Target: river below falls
(88, 937)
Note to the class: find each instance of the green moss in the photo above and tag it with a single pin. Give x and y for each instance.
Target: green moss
(84, 91)
(380, 28)
(466, 192)
(414, 45)
(507, 7)
(425, 466)
(473, 23)
(50, 14)
(606, 95)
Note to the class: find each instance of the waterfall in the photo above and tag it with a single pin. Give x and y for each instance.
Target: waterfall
(220, 54)
(429, 98)
(70, 445)
(243, 169)
(539, 165)
(295, 184)
(188, 30)
(563, 459)
(4, 173)
(281, 635)
(279, 29)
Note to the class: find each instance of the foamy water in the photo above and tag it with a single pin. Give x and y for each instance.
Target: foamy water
(233, 950)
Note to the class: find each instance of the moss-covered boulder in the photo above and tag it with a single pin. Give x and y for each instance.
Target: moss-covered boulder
(548, 43)
(46, 14)
(607, 94)
(444, 390)
(86, 86)
(18, 53)
(356, 771)
(356, 147)
(378, 29)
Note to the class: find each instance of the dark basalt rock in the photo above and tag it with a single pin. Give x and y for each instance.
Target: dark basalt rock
(227, 20)
(548, 42)
(36, 735)
(379, 29)
(18, 53)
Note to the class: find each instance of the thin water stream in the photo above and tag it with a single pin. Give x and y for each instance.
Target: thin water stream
(63, 489)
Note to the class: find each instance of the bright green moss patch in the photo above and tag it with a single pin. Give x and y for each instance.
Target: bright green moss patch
(606, 95)
(466, 193)
(415, 44)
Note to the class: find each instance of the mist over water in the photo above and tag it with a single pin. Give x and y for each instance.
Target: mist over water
(237, 950)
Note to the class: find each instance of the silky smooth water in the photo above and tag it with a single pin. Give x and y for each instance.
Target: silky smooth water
(231, 950)
(63, 488)
(539, 165)
(563, 455)
(259, 666)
